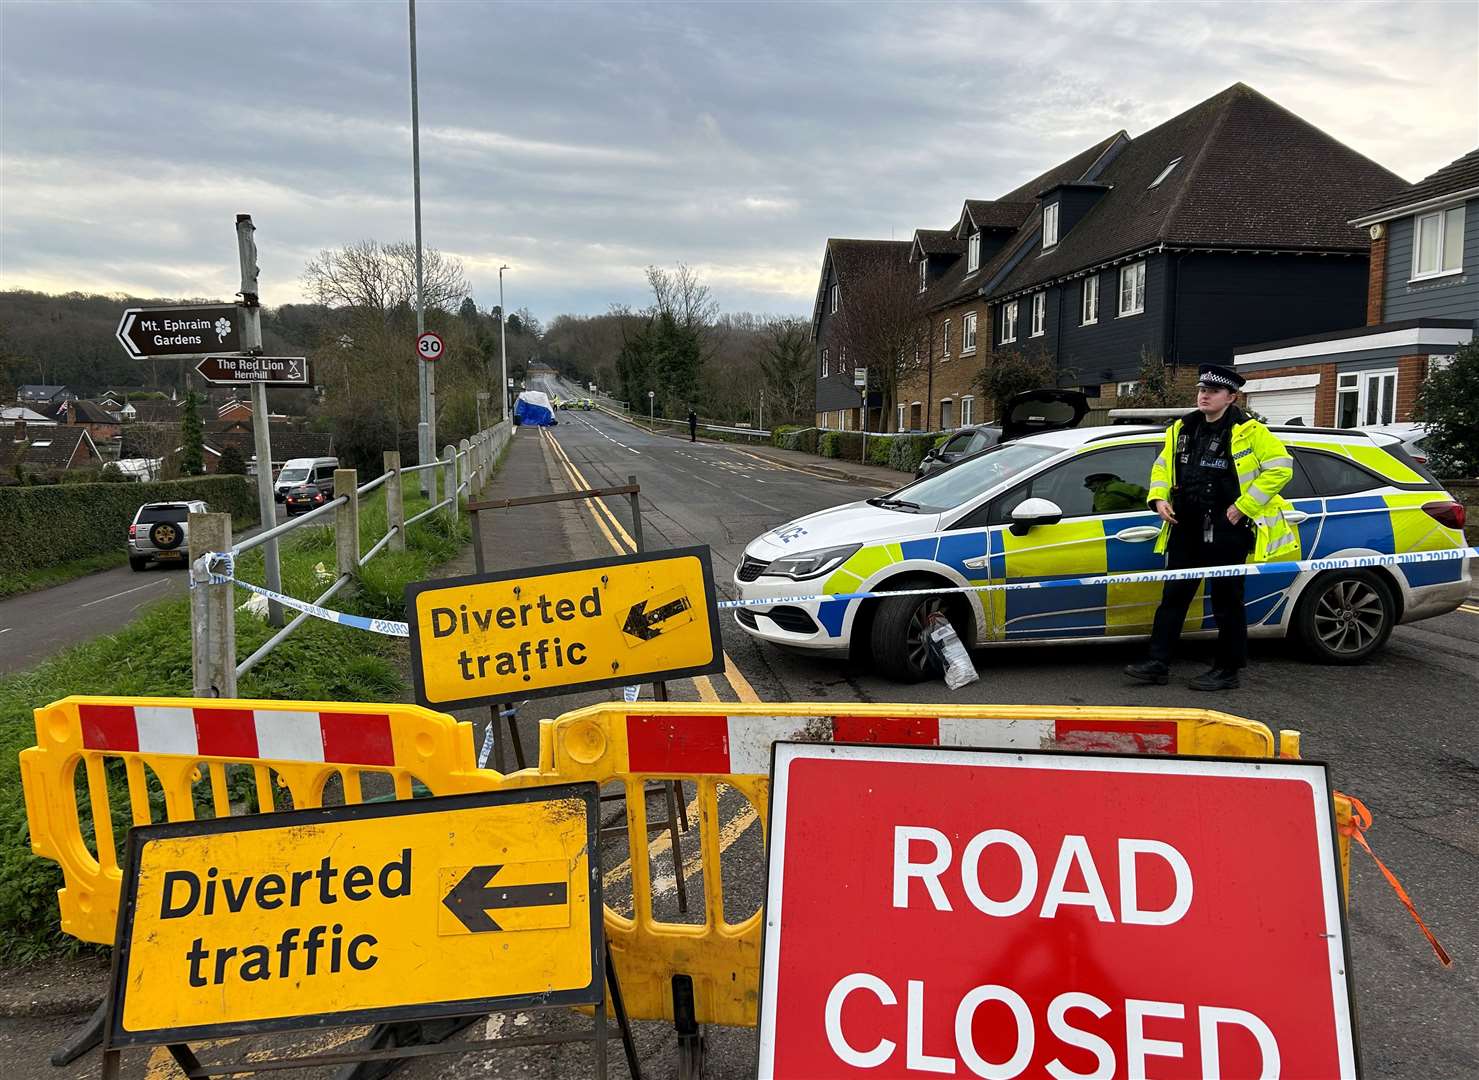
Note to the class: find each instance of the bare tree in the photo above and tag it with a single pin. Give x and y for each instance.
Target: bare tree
(787, 361)
(881, 322)
(379, 277)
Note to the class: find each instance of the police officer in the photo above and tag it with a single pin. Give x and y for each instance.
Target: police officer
(692, 426)
(1216, 488)
(1113, 495)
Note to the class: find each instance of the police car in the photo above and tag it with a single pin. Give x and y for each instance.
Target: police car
(1071, 503)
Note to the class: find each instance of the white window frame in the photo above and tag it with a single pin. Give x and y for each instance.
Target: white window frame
(967, 411)
(953, 420)
(1441, 218)
(973, 252)
(1009, 322)
(945, 340)
(968, 334)
(826, 358)
(902, 410)
(1050, 225)
(1088, 306)
(924, 279)
(1125, 389)
(1039, 325)
(836, 292)
(1134, 274)
(1164, 173)
(1348, 383)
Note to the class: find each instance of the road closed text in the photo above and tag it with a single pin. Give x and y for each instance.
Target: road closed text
(934, 911)
(863, 1010)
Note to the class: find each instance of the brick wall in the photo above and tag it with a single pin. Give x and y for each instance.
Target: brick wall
(1376, 283)
(1411, 371)
(947, 378)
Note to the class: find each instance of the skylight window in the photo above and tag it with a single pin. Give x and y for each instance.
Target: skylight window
(1165, 173)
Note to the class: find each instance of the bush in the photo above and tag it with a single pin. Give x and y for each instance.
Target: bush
(58, 523)
(879, 451)
(791, 437)
(1449, 404)
(907, 451)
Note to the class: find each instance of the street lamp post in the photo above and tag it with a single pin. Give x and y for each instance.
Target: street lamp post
(503, 339)
(426, 428)
(652, 409)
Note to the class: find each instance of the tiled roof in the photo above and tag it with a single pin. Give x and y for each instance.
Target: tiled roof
(939, 242)
(285, 443)
(997, 213)
(1460, 175)
(156, 411)
(47, 451)
(1252, 175)
(89, 412)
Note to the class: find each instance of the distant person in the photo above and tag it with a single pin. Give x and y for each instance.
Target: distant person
(1216, 488)
(692, 426)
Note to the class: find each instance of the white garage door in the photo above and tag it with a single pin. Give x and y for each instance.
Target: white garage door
(1284, 406)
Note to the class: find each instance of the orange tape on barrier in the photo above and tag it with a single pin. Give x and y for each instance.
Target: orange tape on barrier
(1356, 827)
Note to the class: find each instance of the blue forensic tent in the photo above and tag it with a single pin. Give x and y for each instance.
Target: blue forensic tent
(533, 408)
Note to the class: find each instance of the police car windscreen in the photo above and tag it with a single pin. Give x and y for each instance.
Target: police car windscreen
(968, 478)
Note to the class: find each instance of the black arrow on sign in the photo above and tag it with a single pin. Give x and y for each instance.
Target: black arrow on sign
(647, 625)
(473, 896)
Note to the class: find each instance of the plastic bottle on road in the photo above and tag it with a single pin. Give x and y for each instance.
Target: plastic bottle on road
(946, 645)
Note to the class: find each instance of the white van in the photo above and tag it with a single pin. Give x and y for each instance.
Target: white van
(303, 470)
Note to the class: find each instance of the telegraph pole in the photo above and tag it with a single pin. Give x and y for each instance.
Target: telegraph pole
(426, 428)
(251, 345)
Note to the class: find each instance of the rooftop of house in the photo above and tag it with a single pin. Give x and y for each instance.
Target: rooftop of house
(1237, 171)
(49, 451)
(1461, 175)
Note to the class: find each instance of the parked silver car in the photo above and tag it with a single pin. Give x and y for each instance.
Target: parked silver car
(160, 532)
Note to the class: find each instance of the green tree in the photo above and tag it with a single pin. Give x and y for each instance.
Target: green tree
(192, 437)
(232, 463)
(1155, 386)
(788, 363)
(1009, 372)
(1449, 404)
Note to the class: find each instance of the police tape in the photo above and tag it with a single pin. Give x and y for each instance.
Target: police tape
(1349, 562)
(207, 570)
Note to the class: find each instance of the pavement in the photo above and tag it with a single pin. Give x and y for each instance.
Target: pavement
(1400, 731)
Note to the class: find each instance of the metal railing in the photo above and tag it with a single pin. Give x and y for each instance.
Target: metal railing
(641, 420)
(463, 469)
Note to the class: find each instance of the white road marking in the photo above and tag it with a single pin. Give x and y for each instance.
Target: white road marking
(608, 438)
(125, 592)
(6, 629)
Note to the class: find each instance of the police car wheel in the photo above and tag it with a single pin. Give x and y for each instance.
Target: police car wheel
(1346, 616)
(900, 648)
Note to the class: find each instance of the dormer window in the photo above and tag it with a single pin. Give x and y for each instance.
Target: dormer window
(835, 291)
(973, 253)
(1164, 173)
(1049, 225)
(924, 274)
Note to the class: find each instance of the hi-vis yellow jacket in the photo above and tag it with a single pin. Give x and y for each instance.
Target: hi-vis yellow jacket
(1264, 467)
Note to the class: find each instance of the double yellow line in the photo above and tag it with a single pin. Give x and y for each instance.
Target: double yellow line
(609, 527)
(732, 829)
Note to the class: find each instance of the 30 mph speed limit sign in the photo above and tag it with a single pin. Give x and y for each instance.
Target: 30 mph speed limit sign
(429, 346)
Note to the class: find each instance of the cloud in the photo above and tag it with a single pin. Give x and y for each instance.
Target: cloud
(580, 143)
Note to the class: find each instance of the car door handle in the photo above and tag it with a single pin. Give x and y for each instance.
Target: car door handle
(1294, 517)
(1138, 533)
(976, 564)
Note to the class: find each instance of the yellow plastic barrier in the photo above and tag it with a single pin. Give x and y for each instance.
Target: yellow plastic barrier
(299, 750)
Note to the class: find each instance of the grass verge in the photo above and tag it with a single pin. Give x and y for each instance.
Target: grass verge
(151, 656)
(47, 576)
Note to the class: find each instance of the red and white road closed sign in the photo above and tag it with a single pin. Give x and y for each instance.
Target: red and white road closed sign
(1003, 914)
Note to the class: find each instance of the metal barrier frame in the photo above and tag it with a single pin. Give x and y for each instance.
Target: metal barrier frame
(213, 642)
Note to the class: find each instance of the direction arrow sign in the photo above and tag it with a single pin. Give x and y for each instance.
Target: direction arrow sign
(180, 331)
(359, 913)
(475, 895)
(271, 370)
(547, 630)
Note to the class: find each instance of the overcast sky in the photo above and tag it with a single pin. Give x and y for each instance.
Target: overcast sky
(579, 143)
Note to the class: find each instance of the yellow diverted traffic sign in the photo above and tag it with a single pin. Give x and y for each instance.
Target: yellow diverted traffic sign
(357, 914)
(554, 629)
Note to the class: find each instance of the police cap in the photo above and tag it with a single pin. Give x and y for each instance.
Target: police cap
(1217, 377)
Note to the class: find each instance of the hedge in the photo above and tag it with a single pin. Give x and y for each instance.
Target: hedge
(49, 524)
(791, 437)
(905, 452)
